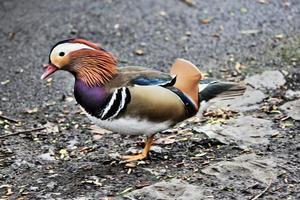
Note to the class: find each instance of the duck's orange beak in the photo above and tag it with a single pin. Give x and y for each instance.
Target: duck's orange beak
(50, 69)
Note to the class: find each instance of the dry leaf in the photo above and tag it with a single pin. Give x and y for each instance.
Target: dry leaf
(200, 154)
(5, 82)
(63, 153)
(162, 13)
(87, 149)
(139, 52)
(189, 2)
(239, 67)
(51, 127)
(279, 36)
(9, 192)
(49, 80)
(95, 182)
(249, 32)
(188, 33)
(97, 137)
(220, 113)
(99, 131)
(5, 186)
(126, 190)
(286, 3)
(142, 184)
(205, 21)
(262, 1)
(69, 99)
(31, 111)
(243, 10)
(130, 165)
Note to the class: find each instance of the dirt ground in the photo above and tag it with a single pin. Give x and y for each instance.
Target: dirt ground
(249, 150)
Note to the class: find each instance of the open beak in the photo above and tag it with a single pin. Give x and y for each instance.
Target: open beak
(50, 69)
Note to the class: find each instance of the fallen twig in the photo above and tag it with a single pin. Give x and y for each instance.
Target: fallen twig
(9, 119)
(21, 132)
(263, 192)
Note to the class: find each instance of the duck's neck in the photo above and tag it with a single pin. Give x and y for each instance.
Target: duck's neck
(91, 98)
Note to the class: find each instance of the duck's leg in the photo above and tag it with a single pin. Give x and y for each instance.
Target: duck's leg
(148, 143)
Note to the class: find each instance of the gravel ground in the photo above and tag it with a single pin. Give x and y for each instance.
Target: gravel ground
(230, 40)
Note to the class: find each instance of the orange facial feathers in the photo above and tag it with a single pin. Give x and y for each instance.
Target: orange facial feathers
(94, 67)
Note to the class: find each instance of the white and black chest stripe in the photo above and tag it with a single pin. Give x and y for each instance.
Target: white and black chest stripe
(117, 103)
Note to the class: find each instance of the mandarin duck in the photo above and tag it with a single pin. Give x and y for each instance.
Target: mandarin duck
(133, 100)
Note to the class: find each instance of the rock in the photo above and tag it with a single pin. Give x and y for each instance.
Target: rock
(33, 188)
(22, 164)
(51, 128)
(72, 144)
(274, 101)
(244, 131)
(156, 172)
(154, 148)
(133, 150)
(291, 95)
(51, 185)
(46, 157)
(173, 189)
(249, 101)
(292, 109)
(157, 149)
(245, 167)
(114, 156)
(270, 80)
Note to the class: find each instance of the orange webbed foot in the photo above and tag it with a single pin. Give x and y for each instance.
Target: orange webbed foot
(141, 156)
(131, 158)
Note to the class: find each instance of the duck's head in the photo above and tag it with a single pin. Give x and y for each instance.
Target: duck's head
(85, 60)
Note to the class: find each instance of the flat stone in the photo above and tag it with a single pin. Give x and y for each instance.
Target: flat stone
(291, 95)
(244, 131)
(247, 102)
(292, 109)
(169, 190)
(269, 80)
(246, 167)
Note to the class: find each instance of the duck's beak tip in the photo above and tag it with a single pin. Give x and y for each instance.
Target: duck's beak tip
(50, 69)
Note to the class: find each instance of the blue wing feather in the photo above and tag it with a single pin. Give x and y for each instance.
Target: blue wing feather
(163, 81)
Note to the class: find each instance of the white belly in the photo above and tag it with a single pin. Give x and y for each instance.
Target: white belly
(131, 126)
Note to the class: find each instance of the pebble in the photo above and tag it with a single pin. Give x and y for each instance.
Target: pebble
(46, 157)
(291, 95)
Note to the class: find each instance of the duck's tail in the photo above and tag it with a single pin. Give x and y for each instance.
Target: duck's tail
(209, 89)
(189, 81)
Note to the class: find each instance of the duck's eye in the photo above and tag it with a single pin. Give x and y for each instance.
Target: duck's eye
(61, 54)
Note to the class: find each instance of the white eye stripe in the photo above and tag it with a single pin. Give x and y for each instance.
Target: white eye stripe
(69, 47)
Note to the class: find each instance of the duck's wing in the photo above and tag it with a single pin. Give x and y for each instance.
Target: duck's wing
(145, 94)
(133, 75)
